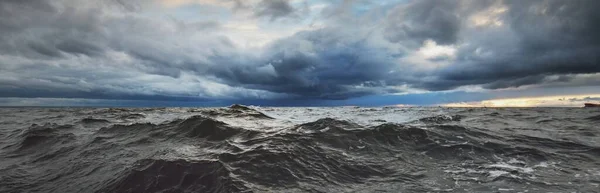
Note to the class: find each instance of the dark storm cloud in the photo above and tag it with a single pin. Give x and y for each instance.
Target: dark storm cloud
(422, 20)
(553, 38)
(571, 24)
(322, 64)
(274, 9)
(334, 71)
(105, 49)
(529, 80)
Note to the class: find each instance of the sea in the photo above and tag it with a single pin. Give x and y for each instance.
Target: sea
(299, 149)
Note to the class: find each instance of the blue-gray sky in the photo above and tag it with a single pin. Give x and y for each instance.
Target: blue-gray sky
(296, 52)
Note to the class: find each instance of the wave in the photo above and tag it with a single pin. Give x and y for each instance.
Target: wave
(300, 164)
(193, 127)
(441, 119)
(132, 116)
(91, 120)
(327, 124)
(293, 159)
(594, 118)
(290, 158)
(442, 142)
(136, 128)
(237, 111)
(150, 175)
(39, 136)
(202, 127)
(439, 141)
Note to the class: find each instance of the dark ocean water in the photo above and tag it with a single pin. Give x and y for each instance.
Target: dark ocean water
(257, 149)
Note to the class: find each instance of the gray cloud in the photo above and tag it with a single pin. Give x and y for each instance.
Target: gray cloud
(544, 38)
(109, 50)
(274, 9)
(586, 99)
(422, 20)
(512, 63)
(307, 64)
(75, 50)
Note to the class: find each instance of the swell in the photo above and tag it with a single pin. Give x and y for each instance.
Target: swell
(91, 120)
(132, 116)
(210, 129)
(38, 137)
(150, 175)
(193, 127)
(594, 118)
(443, 142)
(236, 111)
(341, 150)
(289, 158)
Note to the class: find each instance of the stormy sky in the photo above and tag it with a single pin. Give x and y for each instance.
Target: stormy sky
(296, 52)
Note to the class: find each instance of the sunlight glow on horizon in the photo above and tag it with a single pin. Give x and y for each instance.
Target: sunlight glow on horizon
(546, 101)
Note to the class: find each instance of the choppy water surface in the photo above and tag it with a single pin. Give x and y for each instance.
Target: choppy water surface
(256, 149)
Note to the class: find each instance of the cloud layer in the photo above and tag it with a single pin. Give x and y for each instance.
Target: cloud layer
(277, 49)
